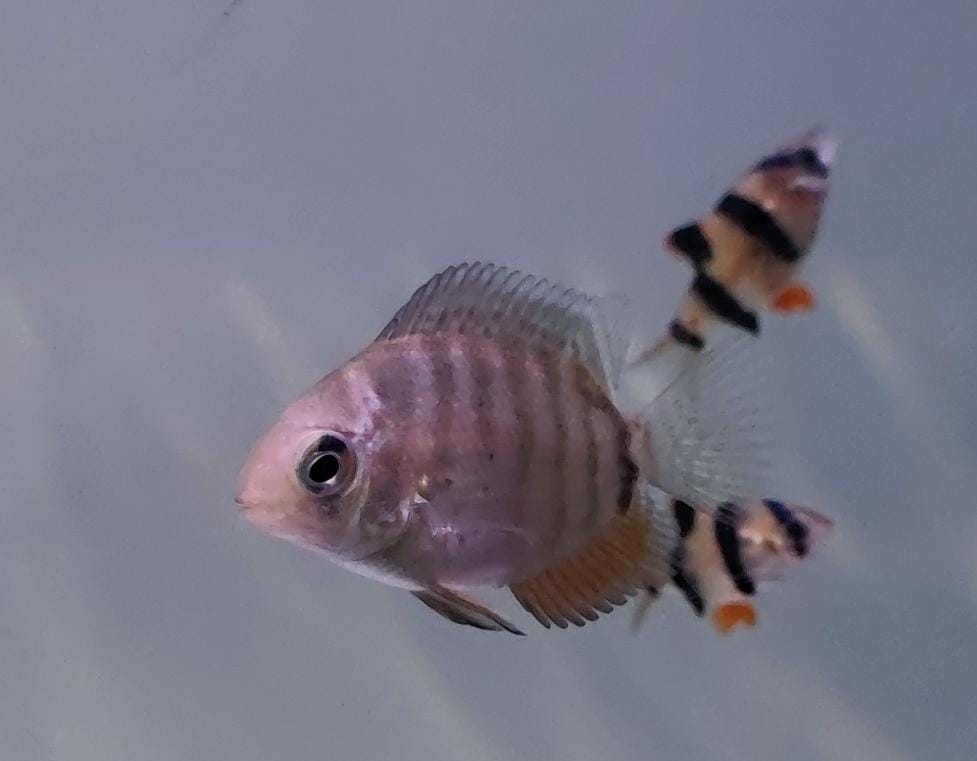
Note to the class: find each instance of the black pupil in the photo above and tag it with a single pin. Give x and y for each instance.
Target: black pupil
(324, 468)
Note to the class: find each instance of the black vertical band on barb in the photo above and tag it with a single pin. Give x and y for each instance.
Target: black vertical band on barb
(806, 158)
(728, 540)
(684, 336)
(796, 530)
(723, 304)
(690, 241)
(686, 585)
(757, 223)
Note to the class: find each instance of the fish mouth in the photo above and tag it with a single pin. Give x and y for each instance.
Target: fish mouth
(242, 503)
(255, 516)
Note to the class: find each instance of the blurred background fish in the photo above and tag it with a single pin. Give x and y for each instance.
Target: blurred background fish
(722, 555)
(747, 250)
(479, 441)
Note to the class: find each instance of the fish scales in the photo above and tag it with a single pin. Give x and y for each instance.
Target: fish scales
(524, 433)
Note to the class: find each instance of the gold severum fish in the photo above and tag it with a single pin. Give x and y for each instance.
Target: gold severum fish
(483, 439)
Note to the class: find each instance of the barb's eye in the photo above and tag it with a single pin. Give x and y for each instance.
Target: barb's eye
(328, 466)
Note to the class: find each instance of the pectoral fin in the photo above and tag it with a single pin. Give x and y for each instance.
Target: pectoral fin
(796, 297)
(462, 610)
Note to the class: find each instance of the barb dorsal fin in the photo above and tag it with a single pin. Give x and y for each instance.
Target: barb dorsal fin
(490, 300)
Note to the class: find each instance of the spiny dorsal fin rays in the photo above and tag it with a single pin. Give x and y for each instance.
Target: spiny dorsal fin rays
(490, 300)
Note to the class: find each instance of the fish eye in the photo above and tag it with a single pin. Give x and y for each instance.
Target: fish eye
(328, 466)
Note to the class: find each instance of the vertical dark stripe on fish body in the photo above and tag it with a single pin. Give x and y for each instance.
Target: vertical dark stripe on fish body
(690, 241)
(524, 441)
(628, 471)
(625, 469)
(796, 530)
(684, 336)
(584, 391)
(552, 365)
(445, 392)
(723, 304)
(685, 584)
(727, 538)
(684, 517)
(466, 419)
(759, 225)
(483, 395)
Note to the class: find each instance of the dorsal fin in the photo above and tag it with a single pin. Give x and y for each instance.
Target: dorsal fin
(490, 300)
(630, 555)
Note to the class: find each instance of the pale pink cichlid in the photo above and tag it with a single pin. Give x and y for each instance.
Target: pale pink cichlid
(484, 439)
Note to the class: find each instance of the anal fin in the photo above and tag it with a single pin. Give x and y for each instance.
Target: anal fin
(627, 557)
(463, 610)
(796, 297)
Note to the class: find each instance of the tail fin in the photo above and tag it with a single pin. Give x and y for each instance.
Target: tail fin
(701, 432)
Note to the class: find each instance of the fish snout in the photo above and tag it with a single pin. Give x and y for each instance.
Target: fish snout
(247, 495)
(245, 503)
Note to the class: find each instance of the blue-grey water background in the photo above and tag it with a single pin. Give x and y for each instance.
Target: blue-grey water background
(204, 206)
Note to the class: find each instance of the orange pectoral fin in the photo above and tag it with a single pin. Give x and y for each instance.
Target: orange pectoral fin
(615, 565)
(727, 617)
(796, 297)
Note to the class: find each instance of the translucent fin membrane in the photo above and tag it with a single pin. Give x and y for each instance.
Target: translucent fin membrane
(489, 300)
(704, 422)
